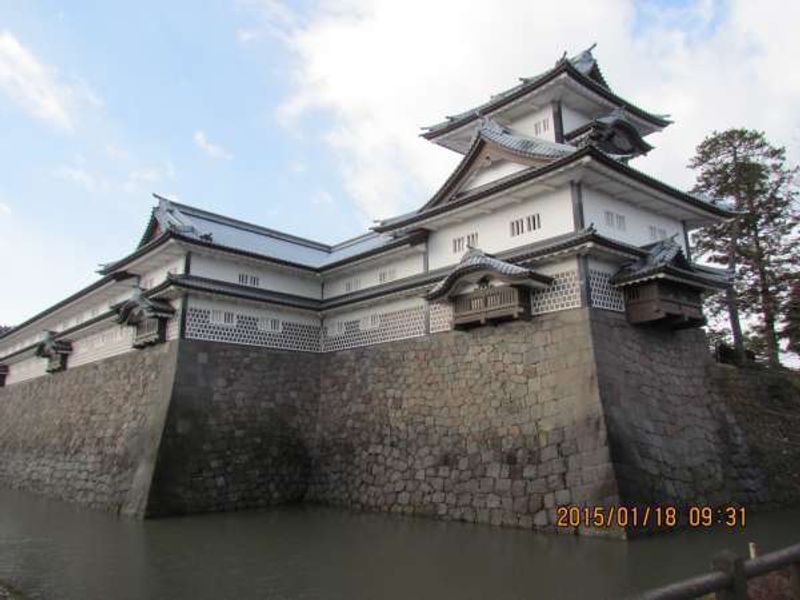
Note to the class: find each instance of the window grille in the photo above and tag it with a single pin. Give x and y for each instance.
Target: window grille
(609, 216)
(621, 222)
(386, 275)
(472, 240)
(269, 324)
(249, 279)
(458, 245)
(517, 227)
(533, 222)
(352, 285)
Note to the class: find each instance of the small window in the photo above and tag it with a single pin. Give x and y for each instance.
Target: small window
(517, 227)
(621, 222)
(222, 317)
(653, 232)
(662, 234)
(533, 222)
(371, 322)
(269, 324)
(609, 218)
(458, 245)
(472, 240)
(352, 285)
(387, 275)
(249, 279)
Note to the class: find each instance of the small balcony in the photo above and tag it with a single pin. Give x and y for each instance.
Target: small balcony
(490, 304)
(664, 303)
(149, 331)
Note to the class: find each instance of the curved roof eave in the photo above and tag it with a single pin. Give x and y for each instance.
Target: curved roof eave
(564, 67)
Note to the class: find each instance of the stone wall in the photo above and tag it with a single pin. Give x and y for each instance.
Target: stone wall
(498, 424)
(89, 434)
(766, 407)
(238, 429)
(674, 437)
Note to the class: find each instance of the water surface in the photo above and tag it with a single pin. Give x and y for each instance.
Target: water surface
(56, 551)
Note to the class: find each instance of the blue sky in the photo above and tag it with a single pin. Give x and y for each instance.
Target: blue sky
(304, 116)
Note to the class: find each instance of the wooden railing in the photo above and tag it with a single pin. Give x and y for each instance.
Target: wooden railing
(487, 303)
(729, 580)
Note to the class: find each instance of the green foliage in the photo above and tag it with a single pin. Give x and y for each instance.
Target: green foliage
(744, 170)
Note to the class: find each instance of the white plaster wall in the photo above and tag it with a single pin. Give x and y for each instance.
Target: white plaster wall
(109, 341)
(330, 323)
(27, 368)
(174, 324)
(154, 277)
(494, 233)
(565, 265)
(270, 278)
(493, 172)
(525, 123)
(572, 118)
(369, 274)
(254, 310)
(637, 220)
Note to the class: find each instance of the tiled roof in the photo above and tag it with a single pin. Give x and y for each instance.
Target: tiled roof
(667, 257)
(522, 144)
(476, 260)
(584, 63)
(247, 237)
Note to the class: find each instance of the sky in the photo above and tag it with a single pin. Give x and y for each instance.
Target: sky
(305, 116)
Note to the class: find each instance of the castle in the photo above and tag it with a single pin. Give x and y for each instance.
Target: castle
(527, 338)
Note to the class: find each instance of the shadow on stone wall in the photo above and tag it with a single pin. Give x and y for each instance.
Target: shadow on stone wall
(238, 429)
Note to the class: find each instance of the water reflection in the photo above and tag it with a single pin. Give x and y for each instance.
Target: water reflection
(55, 551)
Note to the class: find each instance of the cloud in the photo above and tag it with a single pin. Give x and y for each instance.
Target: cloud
(212, 150)
(80, 176)
(711, 65)
(5, 209)
(36, 89)
(245, 35)
(322, 198)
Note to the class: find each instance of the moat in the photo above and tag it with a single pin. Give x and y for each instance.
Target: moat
(52, 550)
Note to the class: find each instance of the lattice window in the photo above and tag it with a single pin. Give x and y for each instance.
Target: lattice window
(603, 294)
(249, 279)
(441, 315)
(395, 325)
(387, 275)
(292, 336)
(562, 294)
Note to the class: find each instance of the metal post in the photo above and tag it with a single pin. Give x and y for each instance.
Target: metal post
(727, 562)
(794, 580)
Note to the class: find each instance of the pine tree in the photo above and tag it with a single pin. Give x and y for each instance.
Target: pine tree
(791, 315)
(751, 175)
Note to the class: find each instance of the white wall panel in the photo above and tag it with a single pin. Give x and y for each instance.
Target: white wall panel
(637, 220)
(494, 233)
(273, 279)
